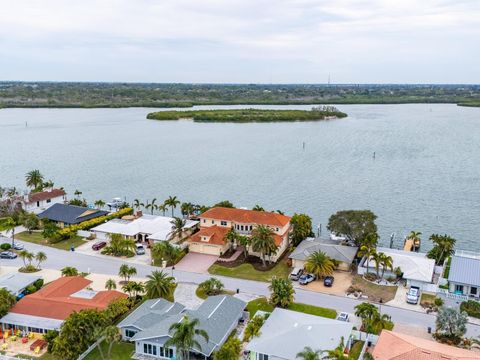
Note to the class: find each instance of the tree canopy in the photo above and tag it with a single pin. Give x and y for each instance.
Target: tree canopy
(302, 228)
(355, 225)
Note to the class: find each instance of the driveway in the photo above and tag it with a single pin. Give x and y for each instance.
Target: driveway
(400, 300)
(197, 263)
(86, 249)
(342, 282)
(185, 295)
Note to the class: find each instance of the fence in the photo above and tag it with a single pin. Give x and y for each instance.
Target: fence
(84, 233)
(90, 349)
(444, 293)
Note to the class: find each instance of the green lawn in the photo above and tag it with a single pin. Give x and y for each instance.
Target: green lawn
(37, 238)
(262, 304)
(248, 272)
(356, 349)
(120, 351)
(427, 298)
(201, 294)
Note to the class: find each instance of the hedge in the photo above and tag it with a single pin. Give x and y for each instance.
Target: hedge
(71, 230)
(471, 307)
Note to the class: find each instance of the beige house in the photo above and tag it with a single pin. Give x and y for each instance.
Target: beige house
(216, 222)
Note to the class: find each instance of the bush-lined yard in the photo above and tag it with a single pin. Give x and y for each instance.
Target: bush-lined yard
(248, 272)
(37, 238)
(262, 304)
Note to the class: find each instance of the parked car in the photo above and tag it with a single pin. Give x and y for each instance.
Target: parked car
(18, 246)
(343, 316)
(140, 249)
(8, 255)
(328, 281)
(413, 295)
(99, 245)
(306, 279)
(296, 273)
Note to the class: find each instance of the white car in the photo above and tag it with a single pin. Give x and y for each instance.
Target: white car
(413, 295)
(343, 316)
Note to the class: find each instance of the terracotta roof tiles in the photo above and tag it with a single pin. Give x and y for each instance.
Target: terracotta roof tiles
(246, 216)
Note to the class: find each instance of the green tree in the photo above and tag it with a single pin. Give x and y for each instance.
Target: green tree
(263, 241)
(137, 204)
(7, 300)
(443, 247)
(225, 204)
(159, 285)
(244, 241)
(320, 264)
(163, 208)
(377, 259)
(253, 327)
(133, 288)
(187, 209)
(77, 193)
(50, 230)
(258, 208)
(338, 352)
(40, 257)
(152, 206)
(451, 323)
(99, 204)
(29, 220)
(163, 250)
(366, 312)
(355, 225)
(34, 180)
(50, 337)
(110, 284)
(231, 236)
(178, 225)
(69, 271)
(8, 224)
(367, 252)
(309, 354)
(183, 336)
(112, 336)
(230, 350)
(281, 292)
(386, 262)
(302, 228)
(211, 286)
(120, 246)
(172, 203)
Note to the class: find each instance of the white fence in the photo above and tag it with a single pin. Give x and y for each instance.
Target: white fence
(84, 233)
(444, 293)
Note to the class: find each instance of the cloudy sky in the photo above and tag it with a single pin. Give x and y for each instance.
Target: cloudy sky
(241, 41)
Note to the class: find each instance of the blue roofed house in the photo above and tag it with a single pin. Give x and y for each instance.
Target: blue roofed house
(464, 275)
(148, 326)
(64, 214)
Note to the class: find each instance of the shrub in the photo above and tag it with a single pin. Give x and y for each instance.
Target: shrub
(230, 350)
(38, 284)
(471, 307)
(5, 246)
(438, 302)
(28, 269)
(31, 289)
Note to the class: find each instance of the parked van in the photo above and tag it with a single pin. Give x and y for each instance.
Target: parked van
(99, 245)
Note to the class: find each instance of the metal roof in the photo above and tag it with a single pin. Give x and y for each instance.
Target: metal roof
(31, 321)
(464, 270)
(16, 282)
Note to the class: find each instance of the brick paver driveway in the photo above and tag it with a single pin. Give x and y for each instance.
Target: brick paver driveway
(195, 262)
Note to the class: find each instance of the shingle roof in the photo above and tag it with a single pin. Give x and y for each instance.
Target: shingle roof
(45, 195)
(59, 299)
(337, 252)
(70, 214)
(285, 333)
(465, 270)
(216, 316)
(396, 346)
(246, 216)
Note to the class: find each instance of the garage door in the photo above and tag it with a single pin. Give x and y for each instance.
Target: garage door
(205, 249)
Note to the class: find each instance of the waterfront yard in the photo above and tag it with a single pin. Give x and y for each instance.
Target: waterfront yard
(37, 238)
(262, 304)
(248, 272)
(120, 351)
(373, 291)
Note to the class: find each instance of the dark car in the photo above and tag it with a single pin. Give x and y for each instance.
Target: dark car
(99, 245)
(8, 255)
(328, 281)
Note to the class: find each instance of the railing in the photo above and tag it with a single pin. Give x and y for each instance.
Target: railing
(446, 294)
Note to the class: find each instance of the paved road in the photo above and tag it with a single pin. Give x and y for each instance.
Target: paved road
(57, 259)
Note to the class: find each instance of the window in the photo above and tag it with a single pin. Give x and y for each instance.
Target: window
(276, 229)
(251, 227)
(149, 349)
(223, 223)
(473, 290)
(262, 357)
(213, 221)
(38, 203)
(49, 201)
(129, 333)
(204, 221)
(241, 227)
(459, 289)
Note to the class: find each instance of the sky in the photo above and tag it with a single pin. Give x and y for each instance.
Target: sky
(241, 41)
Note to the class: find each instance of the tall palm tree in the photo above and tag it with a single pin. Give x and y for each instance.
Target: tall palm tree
(183, 336)
(9, 225)
(163, 208)
(123, 271)
(231, 236)
(386, 262)
(258, 208)
(178, 224)
(159, 285)
(110, 284)
(99, 204)
(309, 354)
(263, 241)
(366, 312)
(172, 202)
(415, 236)
(40, 257)
(367, 252)
(377, 259)
(153, 206)
(338, 352)
(34, 179)
(136, 204)
(320, 264)
(379, 322)
(444, 246)
(187, 209)
(77, 193)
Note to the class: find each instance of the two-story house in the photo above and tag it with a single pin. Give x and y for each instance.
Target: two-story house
(216, 222)
(37, 202)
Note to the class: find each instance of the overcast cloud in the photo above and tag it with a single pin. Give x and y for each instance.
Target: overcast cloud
(261, 41)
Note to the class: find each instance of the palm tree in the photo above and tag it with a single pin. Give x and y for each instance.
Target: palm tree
(99, 204)
(77, 193)
(187, 209)
(367, 252)
(23, 255)
(282, 292)
(379, 322)
(110, 284)
(415, 236)
(444, 247)
(159, 285)
(377, 258)
(386, 262)
(309, 354)
(182, 337)
(338, 352)
(131, 272)
(123, 271)
(48, 184)
(136, 204)
(111, 335)
(152, 206)
(244, 241)
(9, 225)
(320, 264)
(69, 271)
(178, 225)
(40, 257)
(163, 208)
(231, 236)
(129, 288)
(258, 208)
(163, 250)
(263, 241)
(172, 202)
(34, 179)
(366, 312)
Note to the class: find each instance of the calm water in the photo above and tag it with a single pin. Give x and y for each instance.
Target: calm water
(425, 175)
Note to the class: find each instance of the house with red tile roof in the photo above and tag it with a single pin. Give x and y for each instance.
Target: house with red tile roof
(216, 222)
(47, 308)
(37, 202)
(396, 346)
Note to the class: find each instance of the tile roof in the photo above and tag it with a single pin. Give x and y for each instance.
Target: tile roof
(396, 346)
(215, 234)
(58, 299)
(246, 216)
(334, 251)
(45, 195)
(70, 214)
(465, 270)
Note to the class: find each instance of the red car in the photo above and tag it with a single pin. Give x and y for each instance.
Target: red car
(99, 245)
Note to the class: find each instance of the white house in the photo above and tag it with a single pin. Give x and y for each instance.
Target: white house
(37, 202)
(142, 228)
